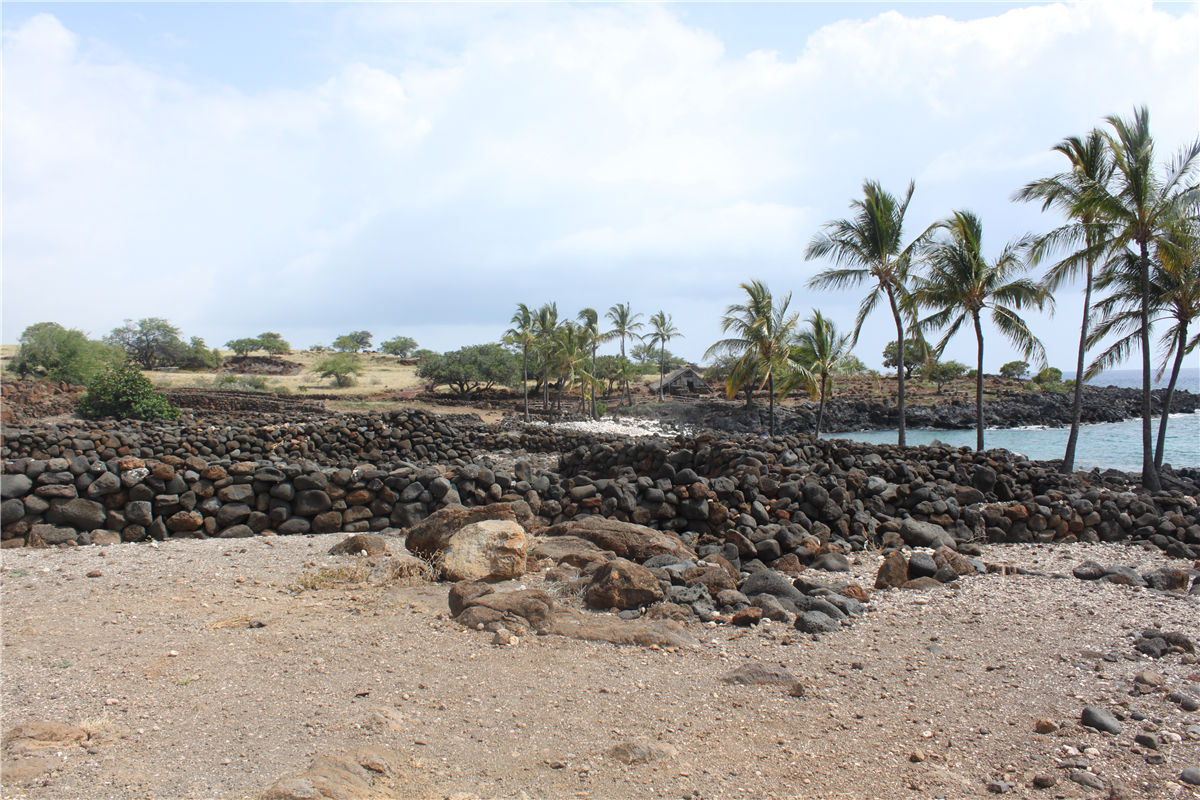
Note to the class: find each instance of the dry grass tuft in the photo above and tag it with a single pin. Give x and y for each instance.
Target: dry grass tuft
(240, 621)
(333, 577)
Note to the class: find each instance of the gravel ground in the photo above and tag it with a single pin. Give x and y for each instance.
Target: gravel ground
(932, 694)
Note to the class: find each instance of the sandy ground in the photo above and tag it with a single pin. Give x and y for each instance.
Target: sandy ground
(930, 695)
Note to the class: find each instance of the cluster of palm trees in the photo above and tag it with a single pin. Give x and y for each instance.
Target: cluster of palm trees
(561, 354)
(774, 351)
(1132, 231)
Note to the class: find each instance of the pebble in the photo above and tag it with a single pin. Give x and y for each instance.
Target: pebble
(1191, 775)
(1090, 779)
(1100, 719)
(1045, 725)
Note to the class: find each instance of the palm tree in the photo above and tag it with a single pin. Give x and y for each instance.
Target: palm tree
(1070, 191)
(522, 334)
(589, 325)
(1175, 297)
(626, 325)
(868, 247)
(960, 283)
(763, 333)
(571, 353)
(1141, 207)
(545, 325)
(821, 350)
(661, 332)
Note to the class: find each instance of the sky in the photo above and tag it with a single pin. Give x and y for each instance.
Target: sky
(420, 169)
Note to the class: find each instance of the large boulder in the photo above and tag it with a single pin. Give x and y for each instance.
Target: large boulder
(366, 772)
(893, 572)
(626, 539)
(569, 550)
(84, 515)
(489, 550)
(473, 602)
(622, 584)
(429, 537)
(925, 534)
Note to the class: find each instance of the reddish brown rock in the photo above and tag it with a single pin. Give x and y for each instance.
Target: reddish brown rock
(626, 539)
(893, 571)
(622, 584)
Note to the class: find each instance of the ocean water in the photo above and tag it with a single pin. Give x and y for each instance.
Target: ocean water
(1189, 378)
(1107, 445)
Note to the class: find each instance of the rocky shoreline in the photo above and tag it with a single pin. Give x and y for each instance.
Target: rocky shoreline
(1012, 409)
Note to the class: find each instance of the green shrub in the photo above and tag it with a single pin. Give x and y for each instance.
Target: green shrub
(1014, 369)
(342, 367)
(1050, 376)
(48, 350)
(122, 391)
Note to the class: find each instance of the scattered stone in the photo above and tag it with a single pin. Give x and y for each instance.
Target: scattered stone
(632, 753)
(1100, 719)
(1089, 779)
(893, 572)
(622, 584)
(367, 543)
(1088, 571)
(1190, 776)
(1044, 780)
(1045, 725)
(757, 674)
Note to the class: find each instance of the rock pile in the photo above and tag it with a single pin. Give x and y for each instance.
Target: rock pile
(26, 399)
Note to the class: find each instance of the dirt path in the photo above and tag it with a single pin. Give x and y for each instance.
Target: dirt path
(930, 695)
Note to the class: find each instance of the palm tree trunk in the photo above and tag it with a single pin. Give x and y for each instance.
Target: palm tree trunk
(771, 390)
(625, 380)
(662, 370)
(821, 405)
(1149, 472)
(1166, 401)
(900, 367)
(595, 408)
(978, 385)
(525, 377)
(1068, 465)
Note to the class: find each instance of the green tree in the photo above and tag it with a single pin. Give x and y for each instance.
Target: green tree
(625, 325)
(1140, 207)
(49, 350)
(960, 283)
(123, 392)
(942, 372)
(342, 367)
(589, 328)
(763, 332)
(1175, 299)
(274, 343)
(1048, 376)
(198, 356)
(851, 365)
(472, 369)
(662, 331)
(613, 371)
(1015, 369)
(916, 354)
(820, 349)
(401, 346)
(1084, 234)
(151, 342)
(545, 330)
(869, 248)
(353, 342)
(243, 347)
(523, 335)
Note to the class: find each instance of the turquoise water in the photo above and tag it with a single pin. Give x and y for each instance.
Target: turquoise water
(1108, 445)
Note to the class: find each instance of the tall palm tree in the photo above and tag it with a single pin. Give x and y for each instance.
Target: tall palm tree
(763, 333)
(1070, 191)
(1141, 207)
(571, 345)
(821, 350)
(960, 283)
(545, 325)
(1175, 298)
(662, 331)
(625, 325)
(522, 334)
(868, 247)
(589, 324)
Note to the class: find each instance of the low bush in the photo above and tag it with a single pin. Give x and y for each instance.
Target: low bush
(122, 391)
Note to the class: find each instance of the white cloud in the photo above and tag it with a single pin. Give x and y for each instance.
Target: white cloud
(455, 160)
